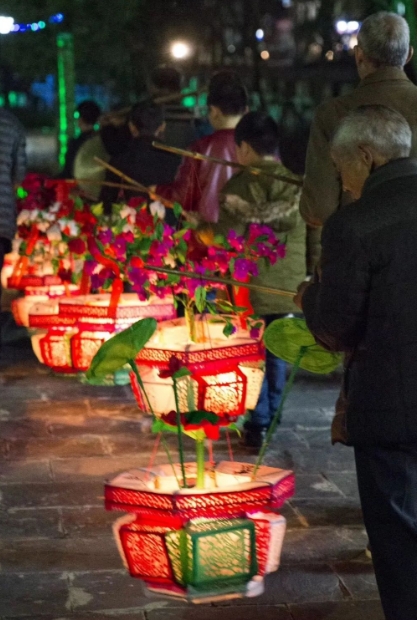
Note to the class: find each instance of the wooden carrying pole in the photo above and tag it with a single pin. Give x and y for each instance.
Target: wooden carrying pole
(224, 162)
(227, 281)
(132, 188)
(163, 100)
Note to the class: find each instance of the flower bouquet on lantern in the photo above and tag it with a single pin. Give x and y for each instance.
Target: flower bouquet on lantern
(70, 330)
(218, 340)
(202, 531)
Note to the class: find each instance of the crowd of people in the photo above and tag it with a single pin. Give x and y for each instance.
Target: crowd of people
(360, 190)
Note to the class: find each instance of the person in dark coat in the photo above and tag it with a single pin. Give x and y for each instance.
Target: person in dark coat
(12, 171)
(140, 160)
(88, 114)
(364, 303)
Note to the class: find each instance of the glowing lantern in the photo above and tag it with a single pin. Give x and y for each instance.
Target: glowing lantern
(226, 371)
(21, 307)
(201, 545)
(35, 280)
(71, 331)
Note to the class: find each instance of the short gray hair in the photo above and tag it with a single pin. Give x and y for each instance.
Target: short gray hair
(385, 39)
(384, 131)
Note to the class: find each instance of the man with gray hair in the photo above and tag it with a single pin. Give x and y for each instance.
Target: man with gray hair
(382, 51)
(364, 302)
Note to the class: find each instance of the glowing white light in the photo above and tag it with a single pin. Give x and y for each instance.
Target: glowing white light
(352, 26)
(6, 24)
(180, 50)
(341, 26)
(259, 34)
(353, 41)
(344, 27)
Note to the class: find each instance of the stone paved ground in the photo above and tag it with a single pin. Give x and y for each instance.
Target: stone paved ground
(59, 440)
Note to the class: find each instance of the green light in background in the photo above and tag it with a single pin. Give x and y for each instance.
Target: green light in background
(189, 102)
(66, 89)
(12, 99)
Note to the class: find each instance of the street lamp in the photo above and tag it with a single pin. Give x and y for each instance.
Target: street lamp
(180, 50)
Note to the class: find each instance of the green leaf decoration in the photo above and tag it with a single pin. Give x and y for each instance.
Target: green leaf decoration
(228, 329)
(285, 337)
(159, 426)
(121, 348)
(182, 372)
(177, 208)
(200, 298)
(197, 417)
(97, 209)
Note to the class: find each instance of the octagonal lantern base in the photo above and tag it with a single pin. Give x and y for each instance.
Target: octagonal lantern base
(201, 545)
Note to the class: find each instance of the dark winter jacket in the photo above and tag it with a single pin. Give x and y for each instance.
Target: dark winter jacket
(143, 163)
(366, 304)
(12, 169)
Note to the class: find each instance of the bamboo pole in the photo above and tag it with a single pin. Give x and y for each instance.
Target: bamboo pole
(224, 162)
(142, 188)
(132, 188)
(227, 281)
(108, 116)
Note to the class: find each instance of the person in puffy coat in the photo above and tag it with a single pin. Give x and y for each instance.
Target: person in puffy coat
(12, 171)
(363, 302)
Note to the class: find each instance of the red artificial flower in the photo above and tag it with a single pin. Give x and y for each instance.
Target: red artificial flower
(144, 220)
(77, 246)
(65, 275)
(136, 262)
(174, 365)
(136, 201)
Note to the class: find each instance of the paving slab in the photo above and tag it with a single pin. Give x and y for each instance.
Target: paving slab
(365, 610)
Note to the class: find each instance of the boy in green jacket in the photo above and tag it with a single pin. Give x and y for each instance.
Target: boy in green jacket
(247, 198)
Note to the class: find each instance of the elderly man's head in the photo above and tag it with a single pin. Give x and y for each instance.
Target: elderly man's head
(366, 139)
(383, 41)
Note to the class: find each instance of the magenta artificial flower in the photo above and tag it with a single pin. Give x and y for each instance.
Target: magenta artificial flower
(243, 268)
(98, 279)
(89, 267)
(119, 247)
(254, 332)
(105, 236)
(237, 242)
